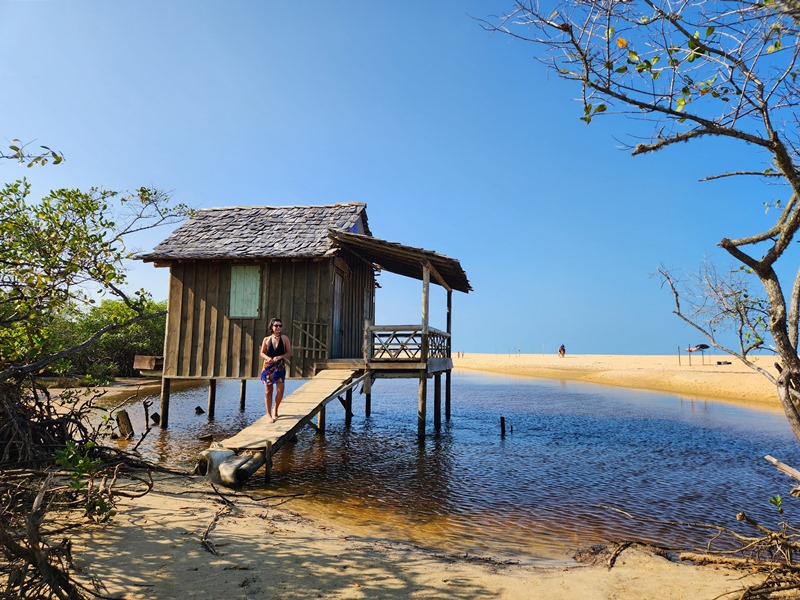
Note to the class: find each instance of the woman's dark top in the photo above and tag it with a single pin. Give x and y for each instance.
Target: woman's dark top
(272, 351)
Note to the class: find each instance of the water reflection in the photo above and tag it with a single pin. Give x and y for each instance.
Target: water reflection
(538, 492)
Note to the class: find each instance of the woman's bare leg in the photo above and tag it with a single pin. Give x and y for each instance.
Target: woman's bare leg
(278, 395)
(268, 401)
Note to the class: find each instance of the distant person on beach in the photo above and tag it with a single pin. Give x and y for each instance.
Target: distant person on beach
(561, 351)
(274, 349)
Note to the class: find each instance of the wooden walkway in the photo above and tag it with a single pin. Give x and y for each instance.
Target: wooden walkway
(296, 411)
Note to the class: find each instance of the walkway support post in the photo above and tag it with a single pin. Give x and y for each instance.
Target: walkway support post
(268, 464)
(348, 407)
(242, 393)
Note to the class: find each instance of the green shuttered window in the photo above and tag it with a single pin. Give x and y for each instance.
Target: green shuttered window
(245, 286)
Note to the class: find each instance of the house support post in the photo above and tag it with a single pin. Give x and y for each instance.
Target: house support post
(367, 389)
(348, 407)
(212, 397)
(437, 401)
(422, 405)
(367, 351)
(423, 375)
(449, 354)
(242, 393)
(164, 402)
(447, 395)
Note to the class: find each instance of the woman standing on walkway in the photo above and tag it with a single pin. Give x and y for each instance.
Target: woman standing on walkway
(274, 349)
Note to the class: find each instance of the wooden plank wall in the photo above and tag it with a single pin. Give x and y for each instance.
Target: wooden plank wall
(359, 279)
(203, 342)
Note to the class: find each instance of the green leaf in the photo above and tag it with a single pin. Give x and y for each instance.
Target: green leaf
(709, 31)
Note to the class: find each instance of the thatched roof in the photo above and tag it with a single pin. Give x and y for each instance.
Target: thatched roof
(245, 233)
(259, 232)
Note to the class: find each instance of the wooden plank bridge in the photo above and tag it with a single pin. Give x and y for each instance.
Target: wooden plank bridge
(298, 409)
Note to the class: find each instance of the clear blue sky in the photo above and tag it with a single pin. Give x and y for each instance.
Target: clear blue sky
(458, 142)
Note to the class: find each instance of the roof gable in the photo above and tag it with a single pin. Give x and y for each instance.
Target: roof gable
(260, 232)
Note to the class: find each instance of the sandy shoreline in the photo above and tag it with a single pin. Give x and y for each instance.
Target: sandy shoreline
(153, 548)
(703, 378)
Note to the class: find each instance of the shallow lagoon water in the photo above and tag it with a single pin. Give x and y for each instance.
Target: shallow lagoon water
(571, 454)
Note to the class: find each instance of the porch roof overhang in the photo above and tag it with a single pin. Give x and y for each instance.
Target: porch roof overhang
(404, 260)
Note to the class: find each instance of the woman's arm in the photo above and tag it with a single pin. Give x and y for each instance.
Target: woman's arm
(287, 347)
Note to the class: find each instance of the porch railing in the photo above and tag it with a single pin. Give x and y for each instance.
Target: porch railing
(405, 343)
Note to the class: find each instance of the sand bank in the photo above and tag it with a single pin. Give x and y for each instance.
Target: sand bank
(702, 378)
(154, 549)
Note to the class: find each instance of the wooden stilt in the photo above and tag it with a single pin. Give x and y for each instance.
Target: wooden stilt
(164, 402)
(447, 395)
(348, 407)
(242, 393)
(212, 397)
(368, 396)
(422, 405)
(268, 463)
(321, 421)
(437, 401)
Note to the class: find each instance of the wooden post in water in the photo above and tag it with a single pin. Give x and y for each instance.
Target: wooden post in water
(321, 421)
(242, 393)
(367, 389)
(367, 351)
(124, 424)
(502, 427)
(447, 395)
(422, 405)
(423, 375)
(212, 397)
(348, 407)
(437, 401)
(164, 402)
(268, 464)
(449, 354)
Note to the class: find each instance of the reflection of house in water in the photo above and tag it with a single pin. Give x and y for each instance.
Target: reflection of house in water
(232, 269)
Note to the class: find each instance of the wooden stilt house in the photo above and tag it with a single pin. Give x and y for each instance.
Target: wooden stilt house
(232, 269)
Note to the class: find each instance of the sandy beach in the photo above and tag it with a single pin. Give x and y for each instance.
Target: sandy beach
(696, 376)
(154, 548)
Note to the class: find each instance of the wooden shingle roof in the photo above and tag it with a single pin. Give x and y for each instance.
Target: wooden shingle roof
(259, 232)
